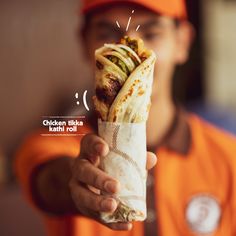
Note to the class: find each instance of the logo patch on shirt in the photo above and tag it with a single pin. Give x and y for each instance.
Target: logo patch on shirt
(203, 214)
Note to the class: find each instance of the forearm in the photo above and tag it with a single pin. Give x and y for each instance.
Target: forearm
(50, 188)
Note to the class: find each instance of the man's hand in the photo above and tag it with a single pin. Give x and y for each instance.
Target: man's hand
(88, 180)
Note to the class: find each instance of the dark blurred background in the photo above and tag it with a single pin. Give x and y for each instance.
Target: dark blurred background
(40, 67)
(189, 80)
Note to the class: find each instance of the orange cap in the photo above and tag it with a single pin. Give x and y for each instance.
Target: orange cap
(173, 8)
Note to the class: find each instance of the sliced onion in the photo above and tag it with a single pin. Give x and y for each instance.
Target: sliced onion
(127, 48)
(122, 52)
(129, 65)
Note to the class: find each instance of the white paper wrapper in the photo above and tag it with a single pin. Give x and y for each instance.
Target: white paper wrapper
(126, 162)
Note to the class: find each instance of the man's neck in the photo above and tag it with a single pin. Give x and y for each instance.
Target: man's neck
(160, 118)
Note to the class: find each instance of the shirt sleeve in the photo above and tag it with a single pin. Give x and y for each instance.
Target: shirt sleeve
(36, 150)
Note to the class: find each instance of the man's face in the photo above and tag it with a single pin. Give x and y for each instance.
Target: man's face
(159, 33)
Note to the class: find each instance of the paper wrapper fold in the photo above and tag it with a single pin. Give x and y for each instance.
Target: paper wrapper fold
(126, 162)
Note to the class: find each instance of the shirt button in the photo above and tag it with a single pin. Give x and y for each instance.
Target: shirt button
(151, 216)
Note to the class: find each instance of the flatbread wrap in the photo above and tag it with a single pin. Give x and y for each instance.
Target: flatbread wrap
(123, 85)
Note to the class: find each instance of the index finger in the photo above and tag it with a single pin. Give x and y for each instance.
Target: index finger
(92, 144)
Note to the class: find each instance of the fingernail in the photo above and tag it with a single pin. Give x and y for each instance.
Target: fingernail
(111, 186)
(108, 205)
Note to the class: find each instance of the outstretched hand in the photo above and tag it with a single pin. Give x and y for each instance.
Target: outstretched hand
(88, 180)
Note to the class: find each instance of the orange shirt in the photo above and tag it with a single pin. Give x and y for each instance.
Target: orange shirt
(195, 193)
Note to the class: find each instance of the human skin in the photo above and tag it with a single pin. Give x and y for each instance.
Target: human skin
(85, 179)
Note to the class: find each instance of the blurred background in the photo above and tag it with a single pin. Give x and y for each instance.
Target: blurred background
(40, 67)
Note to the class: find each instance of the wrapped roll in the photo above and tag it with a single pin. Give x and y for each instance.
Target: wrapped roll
(124, 76)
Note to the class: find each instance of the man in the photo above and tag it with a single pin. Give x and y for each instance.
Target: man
(192, 189)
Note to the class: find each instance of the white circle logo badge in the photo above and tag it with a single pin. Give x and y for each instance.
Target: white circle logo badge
(203, 214)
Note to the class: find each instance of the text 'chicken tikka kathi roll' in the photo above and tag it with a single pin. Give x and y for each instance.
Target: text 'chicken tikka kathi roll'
(124, 76)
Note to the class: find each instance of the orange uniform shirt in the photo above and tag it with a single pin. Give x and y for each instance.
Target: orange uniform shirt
(195, 193)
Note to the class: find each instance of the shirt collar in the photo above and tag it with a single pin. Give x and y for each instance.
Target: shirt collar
(178, 136)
